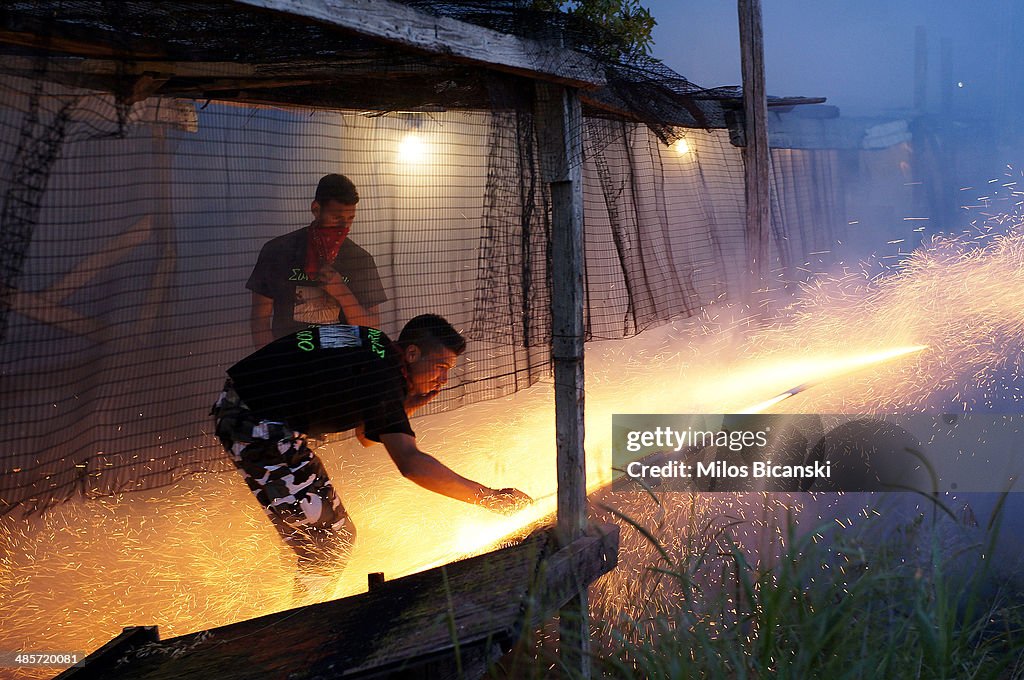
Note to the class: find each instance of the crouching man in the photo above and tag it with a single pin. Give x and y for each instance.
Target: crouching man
(329, 379)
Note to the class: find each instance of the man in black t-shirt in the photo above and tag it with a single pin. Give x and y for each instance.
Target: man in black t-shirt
(316, 275)
(330, 379)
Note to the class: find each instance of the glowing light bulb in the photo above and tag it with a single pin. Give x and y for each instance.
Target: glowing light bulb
(412, 149)
(681, 146)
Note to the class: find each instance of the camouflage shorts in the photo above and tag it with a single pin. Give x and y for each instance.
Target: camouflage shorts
(289, 482)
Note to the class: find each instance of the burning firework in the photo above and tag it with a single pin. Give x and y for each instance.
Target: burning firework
(834, 369)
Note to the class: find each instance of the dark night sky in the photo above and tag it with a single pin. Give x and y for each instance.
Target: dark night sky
(859, 54)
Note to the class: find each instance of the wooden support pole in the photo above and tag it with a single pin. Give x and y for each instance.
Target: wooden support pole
(559, 132)
(756, 161)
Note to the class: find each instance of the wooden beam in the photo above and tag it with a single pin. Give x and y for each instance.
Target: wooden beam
(559, 124)
(101, 663)
(403, 26)
(425, 625)
(210, 87)
(155, 67)
(790, 102)
(756, 160)
(66, 38)
(573, 568)
(691, 117)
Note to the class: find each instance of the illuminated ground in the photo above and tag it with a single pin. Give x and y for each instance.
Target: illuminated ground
(201, 553)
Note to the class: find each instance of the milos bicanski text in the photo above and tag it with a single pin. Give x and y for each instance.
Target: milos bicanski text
(695, 441)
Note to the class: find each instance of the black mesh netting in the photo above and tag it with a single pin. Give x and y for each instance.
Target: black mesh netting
(137, 192)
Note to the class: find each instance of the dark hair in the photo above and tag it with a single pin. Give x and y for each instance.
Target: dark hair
(335, 187)
(430, 333)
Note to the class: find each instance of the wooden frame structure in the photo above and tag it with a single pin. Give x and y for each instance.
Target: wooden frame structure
(756, 156)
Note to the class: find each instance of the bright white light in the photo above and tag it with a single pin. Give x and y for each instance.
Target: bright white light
(412, 149)
(681, 147)
(960, 84)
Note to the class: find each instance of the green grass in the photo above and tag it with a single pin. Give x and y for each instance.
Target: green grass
(836, 605)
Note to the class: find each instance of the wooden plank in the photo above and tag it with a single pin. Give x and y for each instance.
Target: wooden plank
(101, 663)
(477, 606)
(107, 74)
(67, 38)
(573, 567)
(790, 102)
(118, 68)
(558, 122)
(756, 158)
(397, 24)
(340, 67)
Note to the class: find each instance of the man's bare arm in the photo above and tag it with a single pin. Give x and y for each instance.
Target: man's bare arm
(355, 313)
(261, 320)
(431, 474)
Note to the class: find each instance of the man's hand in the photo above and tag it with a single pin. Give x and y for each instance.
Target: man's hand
(505, 501)
(335, 284)
(431, 474)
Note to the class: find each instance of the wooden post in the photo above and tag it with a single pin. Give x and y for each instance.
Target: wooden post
(755, 150)
(559, 132)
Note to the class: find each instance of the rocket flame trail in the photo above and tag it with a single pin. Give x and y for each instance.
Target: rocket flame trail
(841, 367)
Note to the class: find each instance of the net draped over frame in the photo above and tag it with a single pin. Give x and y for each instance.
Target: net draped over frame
(129, 230)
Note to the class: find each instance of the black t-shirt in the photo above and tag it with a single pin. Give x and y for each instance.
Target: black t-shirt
(327, 379)
(280, 275)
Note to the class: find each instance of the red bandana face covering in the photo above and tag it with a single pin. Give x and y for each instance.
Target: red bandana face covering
(323, 246)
